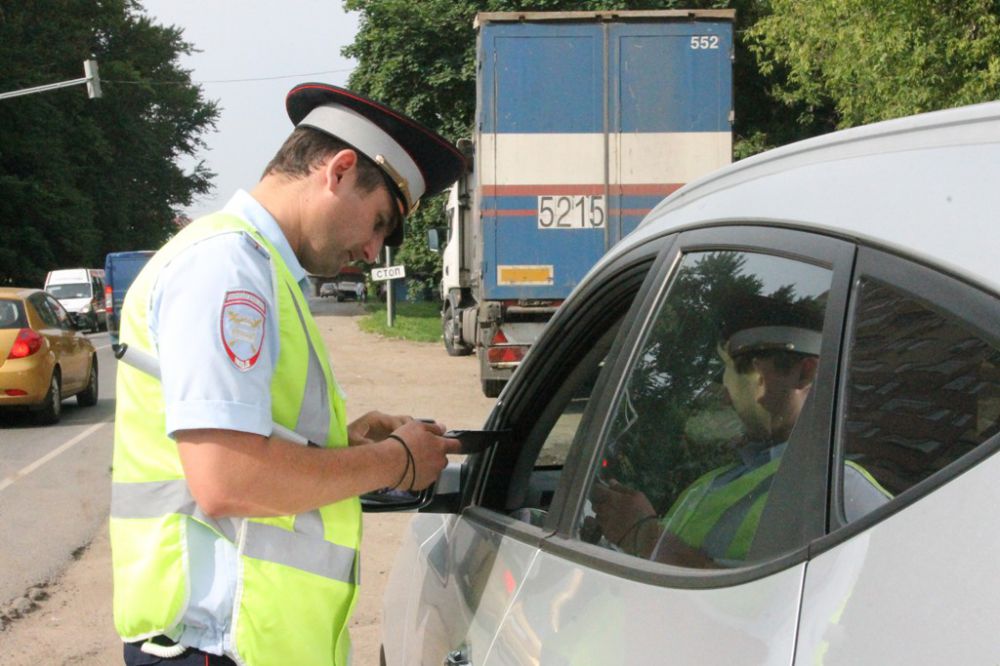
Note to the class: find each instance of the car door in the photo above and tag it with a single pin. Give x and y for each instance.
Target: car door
(470, 566)
(74, 353)
(659, 423)
(912, 581)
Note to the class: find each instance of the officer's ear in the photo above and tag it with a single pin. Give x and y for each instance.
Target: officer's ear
(339, 165)
(807, 371)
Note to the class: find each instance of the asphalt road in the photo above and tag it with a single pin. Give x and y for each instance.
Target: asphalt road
(54, 484)
(62, 493)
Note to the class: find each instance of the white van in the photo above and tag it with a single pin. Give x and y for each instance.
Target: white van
(81, 292)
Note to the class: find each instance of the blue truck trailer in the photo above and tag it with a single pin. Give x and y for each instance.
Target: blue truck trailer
(120, 269)
(584, 122)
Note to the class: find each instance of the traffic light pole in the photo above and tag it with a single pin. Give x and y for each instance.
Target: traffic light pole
(91, 78)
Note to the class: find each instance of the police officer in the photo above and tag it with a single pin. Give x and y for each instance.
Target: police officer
(230, 543)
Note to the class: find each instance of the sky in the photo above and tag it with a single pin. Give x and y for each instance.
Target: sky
(251, 53)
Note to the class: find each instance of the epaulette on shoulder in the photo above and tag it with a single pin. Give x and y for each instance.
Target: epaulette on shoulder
(255, 245)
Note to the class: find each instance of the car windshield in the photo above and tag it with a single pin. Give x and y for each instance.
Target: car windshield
(12, 314)
(72, 290)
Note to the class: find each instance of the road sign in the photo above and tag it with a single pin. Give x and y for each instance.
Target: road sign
(389, 273)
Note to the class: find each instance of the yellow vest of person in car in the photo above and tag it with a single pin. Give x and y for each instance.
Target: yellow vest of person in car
(721, 520)
(297, 575)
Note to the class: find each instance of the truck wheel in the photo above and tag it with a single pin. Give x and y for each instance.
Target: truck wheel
(492, 387)
(451, 328)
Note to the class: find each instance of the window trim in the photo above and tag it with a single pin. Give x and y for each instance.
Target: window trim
(937, 288)
(809, 246)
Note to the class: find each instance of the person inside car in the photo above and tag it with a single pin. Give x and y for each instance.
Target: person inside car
(770, 352)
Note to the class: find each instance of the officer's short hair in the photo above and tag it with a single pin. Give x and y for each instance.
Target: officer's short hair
(306, 148)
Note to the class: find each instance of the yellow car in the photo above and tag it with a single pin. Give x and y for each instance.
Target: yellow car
(43, 357)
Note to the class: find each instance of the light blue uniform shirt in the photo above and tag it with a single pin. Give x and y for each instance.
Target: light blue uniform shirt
(204, 388)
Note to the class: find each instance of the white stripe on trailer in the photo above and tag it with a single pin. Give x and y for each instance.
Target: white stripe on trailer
(559, 159)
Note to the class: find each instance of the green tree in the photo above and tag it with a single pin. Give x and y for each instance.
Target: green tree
(870, 60)
(420, 57)
(78, 177)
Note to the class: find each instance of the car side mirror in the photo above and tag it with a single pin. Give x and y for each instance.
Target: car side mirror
(441, 497)
(435, 239)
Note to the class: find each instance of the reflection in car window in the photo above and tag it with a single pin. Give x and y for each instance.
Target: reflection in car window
(60, 313)
(922, 391)
(705, 415)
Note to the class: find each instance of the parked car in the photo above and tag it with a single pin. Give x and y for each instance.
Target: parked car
(328, 289)
(81, 292)
(762, 430)
(44, 358)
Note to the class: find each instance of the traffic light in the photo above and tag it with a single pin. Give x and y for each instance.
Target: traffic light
(93, 78)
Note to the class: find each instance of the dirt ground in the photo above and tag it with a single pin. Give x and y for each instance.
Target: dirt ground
(72, 623)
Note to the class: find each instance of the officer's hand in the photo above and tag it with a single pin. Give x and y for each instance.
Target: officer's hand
(429, 450)
(373, 427)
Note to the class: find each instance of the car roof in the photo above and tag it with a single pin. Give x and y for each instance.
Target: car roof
(17, 292)
(922, 186)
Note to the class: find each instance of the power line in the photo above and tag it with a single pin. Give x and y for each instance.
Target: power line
(262, 78)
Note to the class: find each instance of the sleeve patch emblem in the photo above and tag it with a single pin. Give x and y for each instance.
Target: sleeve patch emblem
(242, 327)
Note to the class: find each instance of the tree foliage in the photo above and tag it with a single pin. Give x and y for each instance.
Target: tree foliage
(83, 177)
(801, 68)
(421, 59)
(870, 60)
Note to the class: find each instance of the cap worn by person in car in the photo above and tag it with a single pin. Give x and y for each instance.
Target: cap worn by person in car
(775, 338)
(417, 162)
(757, 323)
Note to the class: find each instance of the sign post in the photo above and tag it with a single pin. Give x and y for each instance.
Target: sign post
(388, 273)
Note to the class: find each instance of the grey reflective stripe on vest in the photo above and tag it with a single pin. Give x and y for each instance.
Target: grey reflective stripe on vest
(156, 499)
(317, 556)
(720, 537)
(310, 524)
(314, 420)
(303, 549)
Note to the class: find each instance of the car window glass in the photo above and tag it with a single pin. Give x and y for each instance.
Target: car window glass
(62, 317)
(73, 290)
(706, 410)
(11, 314)
(923, 390)
(41, 305)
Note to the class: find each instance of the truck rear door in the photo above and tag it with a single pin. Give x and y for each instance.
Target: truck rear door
(584, 126)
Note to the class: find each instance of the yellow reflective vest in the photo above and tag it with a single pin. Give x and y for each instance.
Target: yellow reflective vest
(297, 576)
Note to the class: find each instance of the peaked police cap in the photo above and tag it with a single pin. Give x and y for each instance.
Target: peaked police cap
(417, 162)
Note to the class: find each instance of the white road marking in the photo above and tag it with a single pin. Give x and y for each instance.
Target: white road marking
(20, 474)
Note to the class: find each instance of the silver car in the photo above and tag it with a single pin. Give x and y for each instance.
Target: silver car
(761, 431)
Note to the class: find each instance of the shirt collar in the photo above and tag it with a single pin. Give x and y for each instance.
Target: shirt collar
(755, 454)
(243, 205)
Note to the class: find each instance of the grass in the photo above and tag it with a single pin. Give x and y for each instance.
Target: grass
(418, 321)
